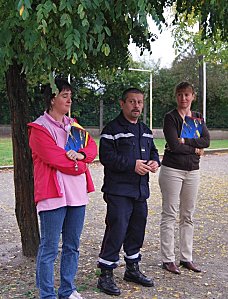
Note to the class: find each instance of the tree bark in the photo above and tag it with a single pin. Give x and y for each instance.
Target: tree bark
(23, 172)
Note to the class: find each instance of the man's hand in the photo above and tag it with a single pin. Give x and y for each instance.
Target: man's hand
(141, 167)
(153, 165)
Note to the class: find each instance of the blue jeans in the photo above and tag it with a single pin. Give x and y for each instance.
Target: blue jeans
(69, 221)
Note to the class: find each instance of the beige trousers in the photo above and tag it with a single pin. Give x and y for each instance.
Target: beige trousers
(179, 192)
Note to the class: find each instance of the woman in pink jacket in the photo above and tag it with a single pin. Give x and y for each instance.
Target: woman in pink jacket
(61, 184)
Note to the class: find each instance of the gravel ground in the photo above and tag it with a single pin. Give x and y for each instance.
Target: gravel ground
(17, 273)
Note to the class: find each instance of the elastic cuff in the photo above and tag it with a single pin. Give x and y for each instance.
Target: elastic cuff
(104, 264)
(133, 258)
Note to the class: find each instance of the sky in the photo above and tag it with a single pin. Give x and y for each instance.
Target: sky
(161, 49)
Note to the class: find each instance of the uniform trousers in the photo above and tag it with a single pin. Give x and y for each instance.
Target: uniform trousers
(179, 192)
(125, 225)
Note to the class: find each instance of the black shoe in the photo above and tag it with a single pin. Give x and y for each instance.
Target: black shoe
(133, 274)
(107, 284)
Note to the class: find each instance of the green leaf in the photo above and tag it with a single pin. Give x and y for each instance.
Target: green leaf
(49, 6)
(107, 4)
(54, 7)
(101, 37)
(44, 23)
(19, 5)
(69, 7)
(27, 4)
(76, 38)
(97, 2)
(52, 83)
(74, 58)
(69, 41)
(85, 23)
(39, 15)
(141, 4)
(43, 44)
(65, 20)
(62, 5)
(25, 14)
(107, 30)
(80, 9)
(82, 15)
(105, 49)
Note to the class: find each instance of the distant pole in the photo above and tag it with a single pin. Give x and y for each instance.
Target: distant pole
(101, 114)
(202, 83)
(204, 91)
(151, 114)
(145, 110)
(202, 98)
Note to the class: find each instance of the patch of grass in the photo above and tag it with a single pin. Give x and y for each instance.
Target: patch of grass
(214, 144)
(6, 151)
(30, 294)
(219, 144)
(160, 145)
(88, 277)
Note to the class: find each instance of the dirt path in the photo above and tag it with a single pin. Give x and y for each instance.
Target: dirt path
(17, 273)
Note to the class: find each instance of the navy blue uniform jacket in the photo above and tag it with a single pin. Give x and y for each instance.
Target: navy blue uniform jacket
(118, 152)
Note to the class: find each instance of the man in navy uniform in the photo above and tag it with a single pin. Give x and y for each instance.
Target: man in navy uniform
(128, 154)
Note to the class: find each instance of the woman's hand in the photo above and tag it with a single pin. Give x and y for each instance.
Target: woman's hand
(181, 140)
(73, 155)
(199, 151)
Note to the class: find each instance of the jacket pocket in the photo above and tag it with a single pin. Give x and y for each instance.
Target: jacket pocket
(125, 145)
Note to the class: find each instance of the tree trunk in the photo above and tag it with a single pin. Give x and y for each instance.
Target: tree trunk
(23, 171)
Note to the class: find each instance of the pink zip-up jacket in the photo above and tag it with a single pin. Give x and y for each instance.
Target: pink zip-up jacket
(48, 157)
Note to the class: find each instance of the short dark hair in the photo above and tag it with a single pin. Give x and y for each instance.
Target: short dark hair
(184, 85)
(130, 90)
(61, 84)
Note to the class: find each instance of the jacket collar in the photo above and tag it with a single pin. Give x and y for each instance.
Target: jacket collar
(123, 120)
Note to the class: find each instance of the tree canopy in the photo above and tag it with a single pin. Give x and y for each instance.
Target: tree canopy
(71, 36)
(188, 39)
(68, 36)
(211, 13)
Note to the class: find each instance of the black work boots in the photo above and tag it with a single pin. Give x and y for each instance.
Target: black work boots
(132, 273)
(107, 284)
